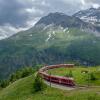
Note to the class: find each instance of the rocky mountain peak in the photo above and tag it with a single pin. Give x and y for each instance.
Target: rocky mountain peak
(91, 15)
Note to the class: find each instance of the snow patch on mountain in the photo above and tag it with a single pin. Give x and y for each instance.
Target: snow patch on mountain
(91, 19)
(66, 29)
(50, 35)
(30, 35)
(48, 26)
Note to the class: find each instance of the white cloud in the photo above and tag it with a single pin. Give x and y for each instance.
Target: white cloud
(96, 5)
(6, 29)
(83, 2)
(90, 3)
(34, 10)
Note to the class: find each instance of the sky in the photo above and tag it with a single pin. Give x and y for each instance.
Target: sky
(18, 15)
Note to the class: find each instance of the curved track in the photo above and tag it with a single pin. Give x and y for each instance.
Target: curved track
(64, 81)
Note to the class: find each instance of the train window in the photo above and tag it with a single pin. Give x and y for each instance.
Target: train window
(53, 78)
(63, 80)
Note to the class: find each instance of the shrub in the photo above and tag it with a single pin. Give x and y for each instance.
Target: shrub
(4, 83)
(70, 74)
(38, 84)
(92, 77)
(24, 72)
(21, 73)
(12, 78)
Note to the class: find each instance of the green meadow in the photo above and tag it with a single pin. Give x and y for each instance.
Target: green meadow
(81, 75)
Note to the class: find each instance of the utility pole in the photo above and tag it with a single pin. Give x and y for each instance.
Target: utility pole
(50, 78)
(88, 79)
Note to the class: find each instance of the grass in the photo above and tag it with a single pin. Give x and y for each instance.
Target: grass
(23, 90)
(79, 77)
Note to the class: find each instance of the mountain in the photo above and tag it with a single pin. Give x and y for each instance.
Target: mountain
(56, 38)
(65, 21)
(60, 19)
(91, 15)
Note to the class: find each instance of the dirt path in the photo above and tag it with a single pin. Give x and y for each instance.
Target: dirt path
(67, 87)
(59, 86)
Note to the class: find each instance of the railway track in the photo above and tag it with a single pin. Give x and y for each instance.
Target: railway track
(60, 82)
(52, 79)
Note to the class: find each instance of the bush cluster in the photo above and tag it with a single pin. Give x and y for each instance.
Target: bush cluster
(24, 72)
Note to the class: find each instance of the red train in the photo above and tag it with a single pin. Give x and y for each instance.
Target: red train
(57, 79)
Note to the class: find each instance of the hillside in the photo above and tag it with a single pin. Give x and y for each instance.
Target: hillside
(48, 43)
(23, 90)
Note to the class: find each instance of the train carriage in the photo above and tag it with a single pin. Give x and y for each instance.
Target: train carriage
(56, 79)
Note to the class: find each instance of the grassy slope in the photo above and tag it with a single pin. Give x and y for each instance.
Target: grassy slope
(22, 90)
